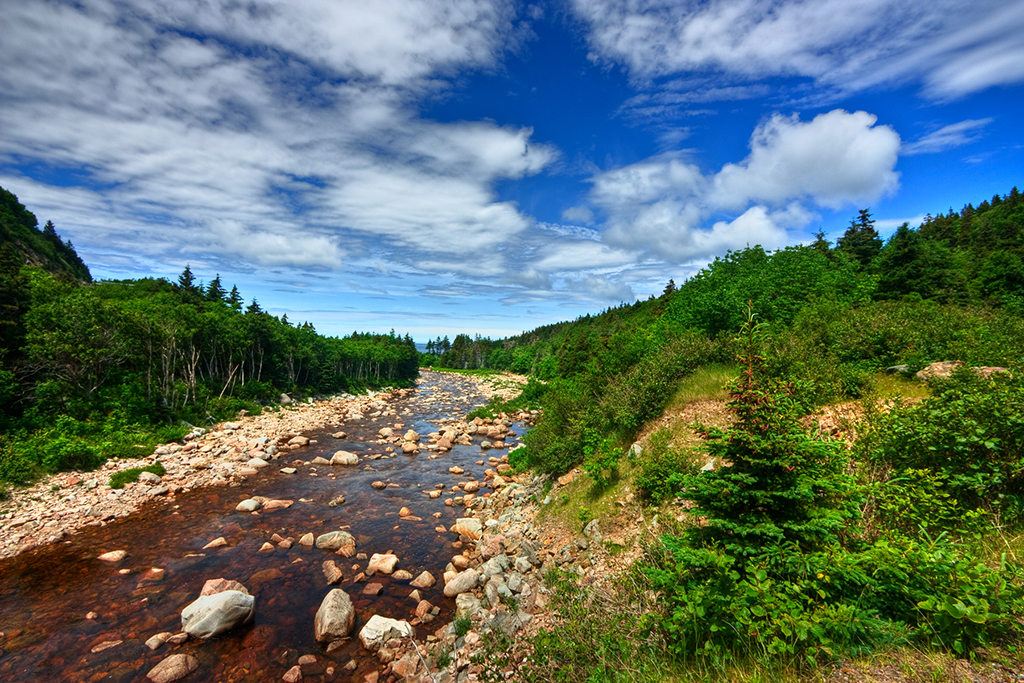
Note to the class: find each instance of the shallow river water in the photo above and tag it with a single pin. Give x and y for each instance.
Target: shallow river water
(46, 593)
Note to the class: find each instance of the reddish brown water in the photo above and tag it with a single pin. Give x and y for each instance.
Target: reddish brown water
(46, 593)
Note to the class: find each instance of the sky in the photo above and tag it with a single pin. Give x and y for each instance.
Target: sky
(485, 166)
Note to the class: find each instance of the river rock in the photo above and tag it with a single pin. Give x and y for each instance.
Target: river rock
(466, 605)
(298, 441)
(277, 504)
(320, 461)
(292, 675)
(941, 369)
(214, 586)
(113, 556)
(150, 478)
(211, 615)
(411, 436)
(331, 571)
(467, 526)
(335, 618)
(462, 582)
(379, 630)
(306, 540)
(410, 447)
(258, 463)
(336, 540)
(173, 668)
(154, 642)
(249, 505)
(381, 564)
(424, 580)
(345, 458)
(379, 485)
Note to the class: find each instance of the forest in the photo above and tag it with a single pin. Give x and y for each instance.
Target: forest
(91, 370)
(777, 549)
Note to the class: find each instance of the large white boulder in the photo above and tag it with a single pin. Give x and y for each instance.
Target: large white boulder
(335, 618)
(211, 615)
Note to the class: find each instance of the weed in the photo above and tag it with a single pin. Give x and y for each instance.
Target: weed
(462, 626)
(119, 479)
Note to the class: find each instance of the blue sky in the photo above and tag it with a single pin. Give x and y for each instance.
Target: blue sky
(486, 166)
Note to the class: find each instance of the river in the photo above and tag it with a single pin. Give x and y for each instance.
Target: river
(58, 603)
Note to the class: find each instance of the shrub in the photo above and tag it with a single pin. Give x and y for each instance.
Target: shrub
(966, 443)
(662, 468)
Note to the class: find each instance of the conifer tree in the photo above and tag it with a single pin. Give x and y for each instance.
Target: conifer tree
(861, 241)
(781, 486)
(234, 298)
(214, 290)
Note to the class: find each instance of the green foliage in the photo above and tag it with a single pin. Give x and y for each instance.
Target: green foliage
(964, 444)
(119, 479)
(783, 486)
(120, 358)
(530, 398)
(593, 640)
(20, 228)
(462, 626)
(663, 469)
(721, 608)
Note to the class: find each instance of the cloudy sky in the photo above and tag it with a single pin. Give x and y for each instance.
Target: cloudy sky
(489, 166)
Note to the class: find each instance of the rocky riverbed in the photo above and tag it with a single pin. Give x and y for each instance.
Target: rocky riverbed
(222, 569)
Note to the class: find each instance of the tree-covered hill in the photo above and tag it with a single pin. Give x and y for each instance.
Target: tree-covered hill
(952, 288)
(19, 230)
(92, 369)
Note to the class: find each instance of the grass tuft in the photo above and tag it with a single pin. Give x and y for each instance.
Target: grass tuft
(119, 479)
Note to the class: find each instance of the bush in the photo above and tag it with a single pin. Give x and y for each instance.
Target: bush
(966, 443)
(662, 468)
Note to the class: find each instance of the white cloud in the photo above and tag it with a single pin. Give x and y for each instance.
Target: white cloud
(267, 132)
(580, 214)
(660, 206)
(836, 158)
(947, 137)
(952, 47)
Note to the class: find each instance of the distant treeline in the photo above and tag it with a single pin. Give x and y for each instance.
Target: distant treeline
(80, 360)
(973, 257)
(952, 289)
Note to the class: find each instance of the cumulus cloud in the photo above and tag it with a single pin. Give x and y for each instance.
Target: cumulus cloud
(951, 47)
(661, 205)
(947, 137)
(834, 159)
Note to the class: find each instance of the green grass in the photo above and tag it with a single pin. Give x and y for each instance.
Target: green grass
(891, 386)
(706, 383)
(119, 479)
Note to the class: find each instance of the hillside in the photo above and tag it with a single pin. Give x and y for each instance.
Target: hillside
(44, 248)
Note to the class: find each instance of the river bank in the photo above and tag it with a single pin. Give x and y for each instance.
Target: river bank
(106, 601)
(63, 503)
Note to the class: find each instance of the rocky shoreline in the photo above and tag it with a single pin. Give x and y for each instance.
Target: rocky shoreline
(495, 575)
(61, 504)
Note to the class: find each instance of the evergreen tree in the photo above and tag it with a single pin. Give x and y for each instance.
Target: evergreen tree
(861, 241)
(821, 244)
(50, 232)
(187, 281)
(669, 288)
(253, 308)
(214, 291)
(783, 487)
(235, 299)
